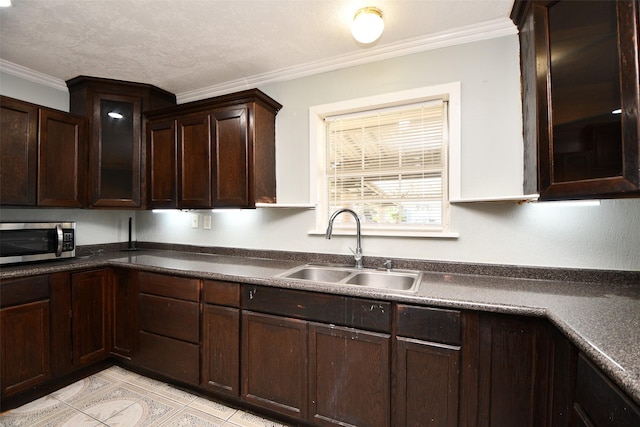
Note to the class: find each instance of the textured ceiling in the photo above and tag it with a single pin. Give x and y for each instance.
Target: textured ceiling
(187, 45)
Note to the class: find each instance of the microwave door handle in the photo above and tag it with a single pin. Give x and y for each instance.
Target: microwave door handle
(60, 240)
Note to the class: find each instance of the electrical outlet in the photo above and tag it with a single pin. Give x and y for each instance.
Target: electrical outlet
(206, 222)
(194, 221)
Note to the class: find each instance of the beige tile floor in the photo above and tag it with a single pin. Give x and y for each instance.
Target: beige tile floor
(116, 397)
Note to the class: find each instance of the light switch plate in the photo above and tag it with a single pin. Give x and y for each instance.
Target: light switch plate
(206, 222)
(194, 221)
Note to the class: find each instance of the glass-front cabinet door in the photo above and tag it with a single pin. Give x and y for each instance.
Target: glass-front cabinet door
(115, 159)
(581, 94)
(585, 86)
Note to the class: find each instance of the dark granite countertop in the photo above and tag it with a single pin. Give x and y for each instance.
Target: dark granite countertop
(600, 316)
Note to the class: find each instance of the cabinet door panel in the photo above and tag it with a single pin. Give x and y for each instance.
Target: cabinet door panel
(427, 383)
(61, 160)
(349, 376)
(24, 349)
(194, 157)
(18, 152)
(167, 356)
(90, 299)
(162, 163)
(231, 165)
(513, 372)
(115, 155)
(221, 349)
(274, 363)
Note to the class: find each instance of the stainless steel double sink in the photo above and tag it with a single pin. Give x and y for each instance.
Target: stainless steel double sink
(392, 280)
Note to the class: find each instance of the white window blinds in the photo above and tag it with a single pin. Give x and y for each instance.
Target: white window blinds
(389, 165)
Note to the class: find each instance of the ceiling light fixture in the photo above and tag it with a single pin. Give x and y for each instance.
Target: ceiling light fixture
(367, 24)
(5, 3)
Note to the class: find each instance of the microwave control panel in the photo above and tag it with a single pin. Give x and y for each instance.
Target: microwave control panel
(68, 241)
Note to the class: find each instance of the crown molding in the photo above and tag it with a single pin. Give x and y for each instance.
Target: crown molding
(32, 75)
(472, 33)
(477, 32)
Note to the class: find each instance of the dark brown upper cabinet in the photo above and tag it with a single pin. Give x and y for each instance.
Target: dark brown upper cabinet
(18, 152)
(580, 90)
(117, 154)
(214, 153)
(61, 159)
(42, 156)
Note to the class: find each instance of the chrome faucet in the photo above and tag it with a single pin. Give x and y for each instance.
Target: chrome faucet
(357, 255)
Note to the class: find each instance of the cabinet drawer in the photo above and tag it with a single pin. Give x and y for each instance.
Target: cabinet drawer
(601, 401)
(170, 317)
(354, 312)
(175, 359)
(429, 324)
(367, 314)
(21, 291)
(221, 293)
(169, 286)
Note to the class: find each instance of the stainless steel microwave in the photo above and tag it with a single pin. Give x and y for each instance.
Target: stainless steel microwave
(36, 241)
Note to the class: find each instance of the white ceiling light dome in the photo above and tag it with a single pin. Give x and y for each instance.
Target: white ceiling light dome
(367, 24)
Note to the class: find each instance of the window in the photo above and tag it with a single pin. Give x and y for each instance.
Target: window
(387, 160)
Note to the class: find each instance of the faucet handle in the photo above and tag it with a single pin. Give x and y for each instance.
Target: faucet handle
(388, 264)
(357, 256)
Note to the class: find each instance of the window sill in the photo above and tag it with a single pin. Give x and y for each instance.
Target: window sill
(391, 233)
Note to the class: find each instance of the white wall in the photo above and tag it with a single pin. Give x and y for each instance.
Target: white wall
(544, 234)
(26, 90)
(92, 226)
(489, 73)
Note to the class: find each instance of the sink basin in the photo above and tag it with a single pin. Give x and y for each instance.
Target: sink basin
(384, 280)
(319, 274)
(395, 280)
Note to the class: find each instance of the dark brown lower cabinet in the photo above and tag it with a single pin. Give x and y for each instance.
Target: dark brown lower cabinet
(427, 366)
(220, 367)
(311, 358)
(221, 349)
(91, 318)
(349, 376)
(25, 334)
(274, 363)
(124, 299)
(599, 402)
(427, 376)
(513, 371)
(169, 326)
